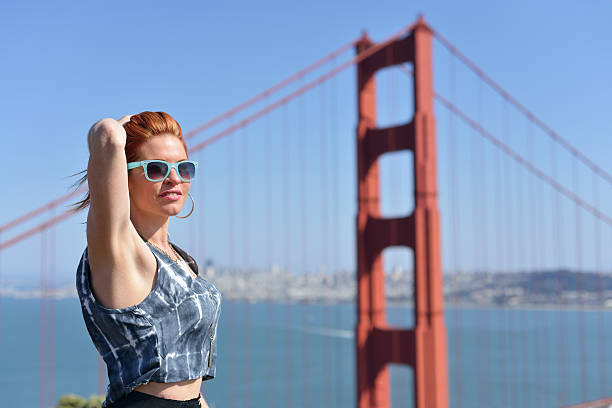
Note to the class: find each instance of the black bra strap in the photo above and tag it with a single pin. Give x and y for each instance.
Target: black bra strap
(190, 261)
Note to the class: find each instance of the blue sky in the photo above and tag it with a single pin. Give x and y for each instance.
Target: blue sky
(67, 64)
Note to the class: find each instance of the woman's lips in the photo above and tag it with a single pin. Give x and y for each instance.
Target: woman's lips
(171, 195)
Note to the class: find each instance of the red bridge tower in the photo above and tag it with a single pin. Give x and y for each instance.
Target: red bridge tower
(424, 346)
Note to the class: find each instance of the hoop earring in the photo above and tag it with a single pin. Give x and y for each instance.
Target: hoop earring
(192, 207)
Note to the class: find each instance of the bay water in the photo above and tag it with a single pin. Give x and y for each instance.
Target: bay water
(303, 355)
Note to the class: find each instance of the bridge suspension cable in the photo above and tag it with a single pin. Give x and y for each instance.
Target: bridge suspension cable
(232, 128)
(524, 162)
(230, 113)
(520, 107)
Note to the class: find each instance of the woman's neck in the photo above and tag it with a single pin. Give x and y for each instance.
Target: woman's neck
(152, 229)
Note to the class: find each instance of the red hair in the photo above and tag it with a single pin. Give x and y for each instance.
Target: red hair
(139, 129)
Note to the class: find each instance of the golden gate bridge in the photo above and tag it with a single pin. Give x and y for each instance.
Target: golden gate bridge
(470, 189)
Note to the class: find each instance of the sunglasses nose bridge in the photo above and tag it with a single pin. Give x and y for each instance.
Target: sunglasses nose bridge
(173, 174)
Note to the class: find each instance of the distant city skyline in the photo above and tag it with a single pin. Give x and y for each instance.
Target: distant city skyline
(541, 289)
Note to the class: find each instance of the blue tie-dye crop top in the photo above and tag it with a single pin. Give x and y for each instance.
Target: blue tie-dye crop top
(170, 336)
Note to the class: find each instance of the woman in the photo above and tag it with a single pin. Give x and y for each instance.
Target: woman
(149, 313)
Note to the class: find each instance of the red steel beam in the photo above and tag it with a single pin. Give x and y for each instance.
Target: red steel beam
(431, 368)
(601, 403)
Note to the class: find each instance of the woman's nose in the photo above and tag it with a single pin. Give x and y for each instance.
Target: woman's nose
(173, 177)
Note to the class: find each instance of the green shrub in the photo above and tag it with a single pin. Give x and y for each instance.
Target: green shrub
(75, 401)
(95, 401)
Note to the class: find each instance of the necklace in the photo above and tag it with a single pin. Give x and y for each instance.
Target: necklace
(178, 258)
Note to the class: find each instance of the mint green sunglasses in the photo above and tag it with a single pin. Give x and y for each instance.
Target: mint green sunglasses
(158, 170)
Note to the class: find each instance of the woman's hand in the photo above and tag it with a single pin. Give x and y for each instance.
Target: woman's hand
(123, 120)
(107, 130)
(203, 403)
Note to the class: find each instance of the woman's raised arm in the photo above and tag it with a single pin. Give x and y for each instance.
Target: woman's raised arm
(115, 249)
(109, 208)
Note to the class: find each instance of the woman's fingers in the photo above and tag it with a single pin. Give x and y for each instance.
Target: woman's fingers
(124, 119)
(203, 403)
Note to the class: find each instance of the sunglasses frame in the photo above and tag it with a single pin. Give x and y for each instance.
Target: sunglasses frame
(144, 163)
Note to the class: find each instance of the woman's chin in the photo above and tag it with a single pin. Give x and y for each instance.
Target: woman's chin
(171, 209)
(174, 212)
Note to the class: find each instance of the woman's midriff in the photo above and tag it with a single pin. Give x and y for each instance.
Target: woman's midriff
(182, 390)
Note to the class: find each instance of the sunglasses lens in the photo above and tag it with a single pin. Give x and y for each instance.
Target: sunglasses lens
(157, 170)
(186, 170)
